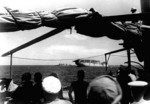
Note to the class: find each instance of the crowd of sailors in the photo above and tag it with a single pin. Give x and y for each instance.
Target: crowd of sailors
(127, 87)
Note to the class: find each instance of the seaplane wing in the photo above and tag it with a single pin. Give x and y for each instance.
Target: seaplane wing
(15, 19)
(86, 22)
(84, 62)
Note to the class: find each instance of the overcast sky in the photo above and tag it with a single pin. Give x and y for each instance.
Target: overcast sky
(63, 45)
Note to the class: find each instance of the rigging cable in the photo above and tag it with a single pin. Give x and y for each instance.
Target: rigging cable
(65, 59)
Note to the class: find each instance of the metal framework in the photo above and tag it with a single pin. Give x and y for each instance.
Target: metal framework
(119, 50)
(11, 52)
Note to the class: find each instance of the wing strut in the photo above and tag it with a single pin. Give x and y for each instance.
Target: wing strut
(128, 54)
(38, 39)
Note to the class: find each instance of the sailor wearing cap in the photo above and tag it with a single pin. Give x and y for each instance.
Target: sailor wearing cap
(138, 89)
(51, 86)
(104, 90)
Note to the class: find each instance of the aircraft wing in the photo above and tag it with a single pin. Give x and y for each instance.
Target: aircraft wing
(86, 22)
(15, 19)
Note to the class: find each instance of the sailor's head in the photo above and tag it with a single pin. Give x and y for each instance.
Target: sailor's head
(138, 89)
(103, 89)
(51, 85)
(80, 74)
(26, 76)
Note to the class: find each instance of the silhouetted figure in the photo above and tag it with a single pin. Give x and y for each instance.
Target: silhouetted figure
(60, 94)
(104, 90)
(23, 94)
(4, 84)
(51, 87)
(138, 89)
(38, 96)
(79, 88)
(123, 79)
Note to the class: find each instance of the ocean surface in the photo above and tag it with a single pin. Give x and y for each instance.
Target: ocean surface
(66, 74)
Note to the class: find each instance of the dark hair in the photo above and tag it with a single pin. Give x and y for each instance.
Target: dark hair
(26, 76)
(80, 74)
(54, 75)
(38, 77)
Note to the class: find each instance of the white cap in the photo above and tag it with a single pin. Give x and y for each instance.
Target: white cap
(137, 83)
(51, 84)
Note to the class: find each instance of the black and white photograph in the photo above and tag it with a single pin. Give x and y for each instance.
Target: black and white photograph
(74, 52)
